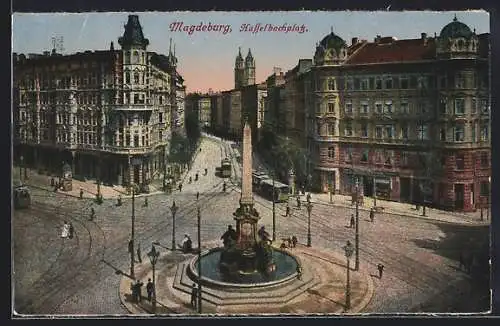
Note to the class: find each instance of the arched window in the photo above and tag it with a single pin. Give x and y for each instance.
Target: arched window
(135, 57)
(127, 57)
(127, 77)
(136, 77)
(460, 44)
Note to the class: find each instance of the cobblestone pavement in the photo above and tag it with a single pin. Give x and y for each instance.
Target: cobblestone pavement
(78, 276)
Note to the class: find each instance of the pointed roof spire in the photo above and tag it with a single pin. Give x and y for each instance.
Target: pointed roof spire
(239, 57)
(133, 35)
(249, 55)
(331, 29)
(112, 46)
(170, 47)
(455, 18)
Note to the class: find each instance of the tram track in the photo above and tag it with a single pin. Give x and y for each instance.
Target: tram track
(46, 290)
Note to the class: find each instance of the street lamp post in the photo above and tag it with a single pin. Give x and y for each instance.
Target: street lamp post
(274, 209)
(356, 266)
(173, 209)
(21, 169)
(199, 260)
(131, 243)
(153, 257)
(309, 207)
(348, 248)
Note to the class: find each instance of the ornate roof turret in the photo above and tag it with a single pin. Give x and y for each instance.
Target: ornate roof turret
(249, 56)
(133, 35)
(456, 29)
(331, 50)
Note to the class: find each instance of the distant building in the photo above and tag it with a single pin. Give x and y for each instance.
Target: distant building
(99, 111)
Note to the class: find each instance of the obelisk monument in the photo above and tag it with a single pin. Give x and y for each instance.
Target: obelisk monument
(246, 171)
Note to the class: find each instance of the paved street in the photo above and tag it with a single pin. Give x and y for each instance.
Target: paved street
(63, 276)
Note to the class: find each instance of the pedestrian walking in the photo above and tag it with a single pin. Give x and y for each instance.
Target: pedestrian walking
(138, 286)
(139, 253)
(133, 289)
(71, 230)
(119, 200)
(92, 213)
(308, 197)
(145, 201)
(149, 289)
(287, 212)
(196, 177)
(65, 230)
(380, 268)
(180, 187)
(206, 171)
(81, 193)
(299, 272)
(194, 296)
(190, 179)
(294, 241)
(197, 195)
(461, 260)
(298, 202)
(372, 214)
(352, 222)
(224, 186)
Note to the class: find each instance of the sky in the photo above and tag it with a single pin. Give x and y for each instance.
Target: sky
(206, 58)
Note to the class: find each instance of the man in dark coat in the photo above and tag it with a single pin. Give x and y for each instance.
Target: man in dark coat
(352, 223)
(149, 289)
(138, 286)
(229, 236)
(372, 214)
(380, 268)
(194, 296)
(71, 230)
(139, 258)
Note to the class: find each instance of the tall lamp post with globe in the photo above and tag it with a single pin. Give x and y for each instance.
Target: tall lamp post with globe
(153, 258)
(348, 250)
(173, 209)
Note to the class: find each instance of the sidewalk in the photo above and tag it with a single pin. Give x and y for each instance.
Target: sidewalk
(403, 209)
(42, 181)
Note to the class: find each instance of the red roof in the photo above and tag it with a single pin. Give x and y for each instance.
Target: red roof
(390, 50)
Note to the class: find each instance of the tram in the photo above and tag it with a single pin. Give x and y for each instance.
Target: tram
(226, 168)
(281, 190)
(22, 197)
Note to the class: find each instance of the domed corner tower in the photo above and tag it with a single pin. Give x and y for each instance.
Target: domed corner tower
(332, 50)
(239, 70)
(249, 69)
(456, 40)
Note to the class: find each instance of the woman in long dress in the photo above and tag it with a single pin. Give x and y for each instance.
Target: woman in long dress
(65, 230)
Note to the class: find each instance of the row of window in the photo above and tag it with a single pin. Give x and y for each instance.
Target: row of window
(423, 107)
(388, 131)
(387, 157)
(134, 58)
(458, 80)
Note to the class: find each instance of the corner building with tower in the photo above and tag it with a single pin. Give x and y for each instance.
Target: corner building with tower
(108, 113)
(396, 114)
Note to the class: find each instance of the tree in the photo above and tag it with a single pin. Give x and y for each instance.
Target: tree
(193, 131)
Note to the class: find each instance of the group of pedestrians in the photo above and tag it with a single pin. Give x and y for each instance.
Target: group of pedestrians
(136, 289)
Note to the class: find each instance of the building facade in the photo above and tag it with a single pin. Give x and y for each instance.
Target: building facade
(409, 119)
(106, 113)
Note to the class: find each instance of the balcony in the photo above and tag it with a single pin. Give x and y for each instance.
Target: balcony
(129, 150)
(133, 107)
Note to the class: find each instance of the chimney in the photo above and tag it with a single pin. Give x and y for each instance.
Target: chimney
(354, 41)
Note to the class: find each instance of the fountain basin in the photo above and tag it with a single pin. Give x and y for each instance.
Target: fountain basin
(212, 276)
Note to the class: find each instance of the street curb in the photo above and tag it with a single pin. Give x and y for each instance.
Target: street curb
(390, 212)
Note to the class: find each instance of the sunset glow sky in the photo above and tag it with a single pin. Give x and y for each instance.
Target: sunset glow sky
(206, 59)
